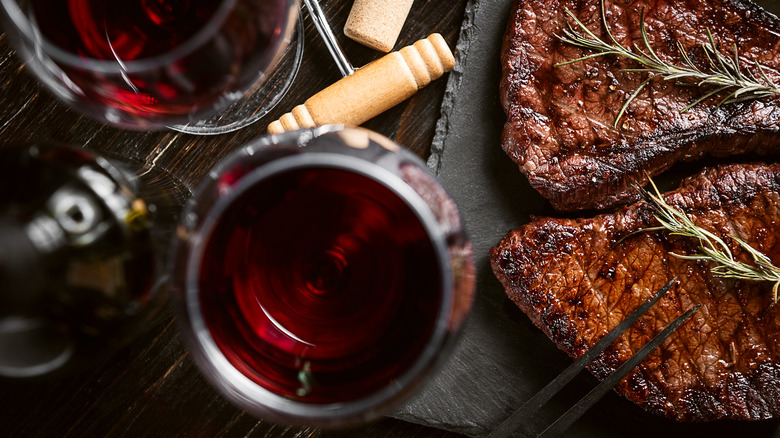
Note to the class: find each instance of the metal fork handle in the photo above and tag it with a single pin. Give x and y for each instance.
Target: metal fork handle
(530, 407)
(564, 421)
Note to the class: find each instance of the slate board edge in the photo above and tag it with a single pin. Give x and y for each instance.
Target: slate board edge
(411, 411)
(454, 83)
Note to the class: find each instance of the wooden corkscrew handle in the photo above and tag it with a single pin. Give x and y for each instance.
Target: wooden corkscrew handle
(373, 89)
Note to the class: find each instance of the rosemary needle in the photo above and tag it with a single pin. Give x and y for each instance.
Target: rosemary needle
(711, 247)
(723, 74)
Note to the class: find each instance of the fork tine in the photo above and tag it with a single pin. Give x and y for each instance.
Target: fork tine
(545, 394)
(564, 421)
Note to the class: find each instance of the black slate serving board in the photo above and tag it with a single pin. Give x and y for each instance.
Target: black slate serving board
(502, 359)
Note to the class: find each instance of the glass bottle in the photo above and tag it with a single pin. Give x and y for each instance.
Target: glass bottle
(79, 267)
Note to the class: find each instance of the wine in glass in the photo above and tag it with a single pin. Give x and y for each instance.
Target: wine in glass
(144, 64)
(320, 276)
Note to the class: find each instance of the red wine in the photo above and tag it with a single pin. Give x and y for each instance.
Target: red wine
(320, 284)
(161, 59)
(131, 30)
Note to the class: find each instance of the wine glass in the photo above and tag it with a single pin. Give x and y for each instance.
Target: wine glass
(146, 64)
(320, 276)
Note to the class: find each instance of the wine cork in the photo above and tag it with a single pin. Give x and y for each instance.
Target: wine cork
(372, 89)
(377, 23)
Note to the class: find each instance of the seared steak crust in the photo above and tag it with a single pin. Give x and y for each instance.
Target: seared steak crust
(559, 127)
(577, 279)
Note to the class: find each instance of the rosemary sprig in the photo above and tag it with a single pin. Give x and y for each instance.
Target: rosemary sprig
(723, 74)
(711, 247)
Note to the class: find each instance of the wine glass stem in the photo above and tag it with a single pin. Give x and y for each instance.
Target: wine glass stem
(321, 23)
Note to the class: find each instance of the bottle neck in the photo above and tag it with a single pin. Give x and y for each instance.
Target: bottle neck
(76, 262)
(70, 218)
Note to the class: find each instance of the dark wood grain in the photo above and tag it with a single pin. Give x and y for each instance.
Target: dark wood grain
(151, 387)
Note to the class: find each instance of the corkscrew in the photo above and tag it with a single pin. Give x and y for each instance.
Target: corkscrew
(369, 91)
(323, 28)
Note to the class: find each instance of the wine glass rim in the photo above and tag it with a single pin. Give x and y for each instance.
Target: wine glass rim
(29, 31)
(251, 395)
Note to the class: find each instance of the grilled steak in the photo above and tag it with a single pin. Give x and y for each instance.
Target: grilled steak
(577, 279)
(559, 127)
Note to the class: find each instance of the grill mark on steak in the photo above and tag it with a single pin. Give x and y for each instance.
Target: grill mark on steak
(577, 279)
(559, 119)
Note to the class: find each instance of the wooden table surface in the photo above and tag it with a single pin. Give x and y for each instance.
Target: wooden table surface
(152, 387)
